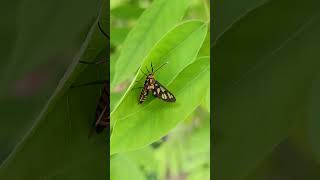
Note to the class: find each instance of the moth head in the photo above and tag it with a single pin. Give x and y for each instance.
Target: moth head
(150, 76)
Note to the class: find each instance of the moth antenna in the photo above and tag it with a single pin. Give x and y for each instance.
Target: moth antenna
(160, 67)
(151, 67)
(139, 79)
(104, 33)
(143, 72)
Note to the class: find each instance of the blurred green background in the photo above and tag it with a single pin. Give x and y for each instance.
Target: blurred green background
(266, 89)
(44, 121)
(38, 41)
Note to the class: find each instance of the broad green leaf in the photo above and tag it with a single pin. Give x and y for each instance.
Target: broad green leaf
(236, 9)
(57, 146)
(314, 123)
(265, 65)
(152, 25)
(123, 167)
(179, 48)
(130, 131)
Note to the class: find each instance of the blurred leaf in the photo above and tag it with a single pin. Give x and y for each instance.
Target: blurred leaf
(127, 11)
(199, 9)
(130, 130)
(57, 146)
(38, 41)
(118, 35)
(144, 158)
(205, 49)
(45, 29)
(152, 25)
(223, 21)
(187, 149)
(267, 62)
(122, 168)
(206, 102)
(202, 173)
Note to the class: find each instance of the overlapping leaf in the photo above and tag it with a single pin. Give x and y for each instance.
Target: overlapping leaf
(152, 25)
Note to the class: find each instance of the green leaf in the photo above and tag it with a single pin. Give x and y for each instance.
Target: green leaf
(152, 25)
(205, 49)
(118, 35)
(206, 102)
(179, 48)
(144, 158)
(187, 148)
(265, 65)
(127, 11)
(151, 118)
(57, 146)
(123, 167)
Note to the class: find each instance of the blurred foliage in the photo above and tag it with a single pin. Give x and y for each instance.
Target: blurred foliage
(53, 143)
(158, 140)
(266, 89)
(38, 41)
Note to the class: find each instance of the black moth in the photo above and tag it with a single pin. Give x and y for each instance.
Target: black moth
(152, 85)
(102, 119)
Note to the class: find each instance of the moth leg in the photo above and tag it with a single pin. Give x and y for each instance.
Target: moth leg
(104, 123)
(137, 88)
(90, 83)
(104, 33)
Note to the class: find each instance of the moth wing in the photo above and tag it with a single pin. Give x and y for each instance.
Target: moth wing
(163, 93)
(143, 95)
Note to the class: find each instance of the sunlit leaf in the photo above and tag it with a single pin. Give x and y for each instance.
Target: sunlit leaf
(152, 25)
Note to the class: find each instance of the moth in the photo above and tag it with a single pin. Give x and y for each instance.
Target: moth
(102, 118)
(153, 86)
(102, 112)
